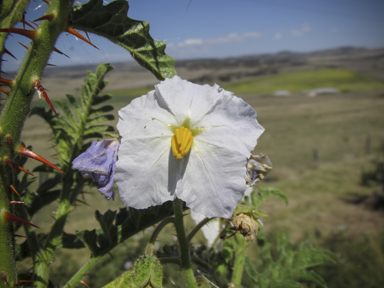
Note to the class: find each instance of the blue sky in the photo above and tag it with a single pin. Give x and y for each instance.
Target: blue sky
(223, 28)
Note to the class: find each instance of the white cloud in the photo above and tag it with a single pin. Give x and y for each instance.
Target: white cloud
(229, 38)
(190, 42)
(278, 35)
(304, 29)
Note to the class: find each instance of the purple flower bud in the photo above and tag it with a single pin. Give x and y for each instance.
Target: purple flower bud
(98, 163)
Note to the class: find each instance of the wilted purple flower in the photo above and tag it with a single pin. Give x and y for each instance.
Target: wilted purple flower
(98, 163)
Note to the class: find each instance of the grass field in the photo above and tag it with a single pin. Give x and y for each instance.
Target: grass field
(345, 129)
(297, 82)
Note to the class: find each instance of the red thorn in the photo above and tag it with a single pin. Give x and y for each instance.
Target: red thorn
(7, 82)
(58, 51)
(49, 64)
(4, 91)
(4, 277)
(14, 190)
(46, 2)
(16, 202)
(26, 47)
(48, 17)
(8, 162)
(41, 91)
(78, 35)
(31, 34)
(25, 22)
(17, 235)
(8, 217)
(9, 53)
(28, 153)
(9, 140)
(82, 282)
(36, 25)
(24, 170)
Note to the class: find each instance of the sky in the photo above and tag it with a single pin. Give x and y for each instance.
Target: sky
(223, 28)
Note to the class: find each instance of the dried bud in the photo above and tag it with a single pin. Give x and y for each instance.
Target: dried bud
(245, 225)
(258, 167)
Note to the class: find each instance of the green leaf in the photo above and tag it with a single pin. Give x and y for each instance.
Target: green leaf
(89, 238)
(99, 119)
(71, 241)
(100, 99)
(67, 112)
(75, 105)
(252, 273)
(62, 124)
(92, 135)
(148, 272)
(106, 223)
(99, 111)
(265, 193)
(312, 276)
(111, 22)
(125, 280)
(42, 200)
(48, 184)
(99, 128)
(290, 267)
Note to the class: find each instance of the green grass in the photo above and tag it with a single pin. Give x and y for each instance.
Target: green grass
(342, 79)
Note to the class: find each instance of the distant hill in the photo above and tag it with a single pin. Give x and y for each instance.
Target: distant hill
(61, 80)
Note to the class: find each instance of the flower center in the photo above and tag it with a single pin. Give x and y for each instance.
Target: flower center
(181, 142)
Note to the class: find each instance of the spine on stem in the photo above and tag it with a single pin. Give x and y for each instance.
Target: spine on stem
(16, 110)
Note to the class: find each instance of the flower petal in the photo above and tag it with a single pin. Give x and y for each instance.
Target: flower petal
(142, 170)
(209, 186)
(98, 163)
(231, 124)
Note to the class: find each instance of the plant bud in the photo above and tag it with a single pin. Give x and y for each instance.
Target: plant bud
(245, 225)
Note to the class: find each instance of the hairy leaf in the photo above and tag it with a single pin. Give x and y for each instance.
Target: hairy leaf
(291, 267)
(265, 193)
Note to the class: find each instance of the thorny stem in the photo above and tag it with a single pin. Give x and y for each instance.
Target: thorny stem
(238, 267)
(183, 243)
(17, 109)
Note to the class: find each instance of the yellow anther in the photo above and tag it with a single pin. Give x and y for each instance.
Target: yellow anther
(181, 142)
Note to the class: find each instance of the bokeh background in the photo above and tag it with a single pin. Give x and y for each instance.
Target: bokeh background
(314, 72)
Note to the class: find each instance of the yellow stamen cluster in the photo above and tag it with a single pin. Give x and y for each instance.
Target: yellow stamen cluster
(181, 142)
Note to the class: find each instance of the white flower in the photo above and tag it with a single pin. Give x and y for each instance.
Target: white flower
(222, 130)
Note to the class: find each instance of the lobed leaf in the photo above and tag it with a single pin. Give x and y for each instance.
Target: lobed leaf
(99, 119)
(67, 112)
(111, 21)
(265, 193)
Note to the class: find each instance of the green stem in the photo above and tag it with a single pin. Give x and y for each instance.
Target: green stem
(17, 109)
(152, 240)
(197, 228)
(239, 260)
(80, 273)
(183, 243)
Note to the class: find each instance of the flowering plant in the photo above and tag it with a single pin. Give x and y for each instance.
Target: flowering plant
(180, 146)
